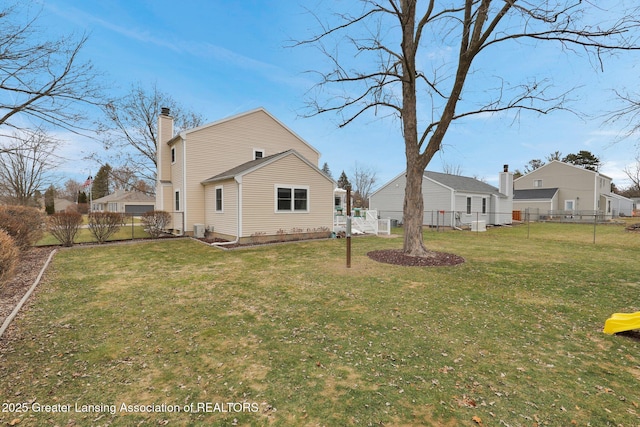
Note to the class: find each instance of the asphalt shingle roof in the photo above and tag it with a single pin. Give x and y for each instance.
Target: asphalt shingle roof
(462, 183)
(535, 194)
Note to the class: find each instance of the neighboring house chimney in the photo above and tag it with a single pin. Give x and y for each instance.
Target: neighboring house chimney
(163, 151)
(506, 182)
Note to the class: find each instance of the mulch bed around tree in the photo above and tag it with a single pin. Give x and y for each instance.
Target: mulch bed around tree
(398, 257)
(29, 266)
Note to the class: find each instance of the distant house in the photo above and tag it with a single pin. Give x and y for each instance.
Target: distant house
(242, 176)
(621, 206)
(128, 202)
(559, 188)
(61, 205)
(449, 200)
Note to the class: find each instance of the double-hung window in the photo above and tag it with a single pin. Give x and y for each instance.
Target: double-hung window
(292, 198)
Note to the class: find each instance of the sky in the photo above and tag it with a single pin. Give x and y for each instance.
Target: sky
(224, 57)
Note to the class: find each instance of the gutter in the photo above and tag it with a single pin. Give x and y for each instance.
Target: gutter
(238, 219)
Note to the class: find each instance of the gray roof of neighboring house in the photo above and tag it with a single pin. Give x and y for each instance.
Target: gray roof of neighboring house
(126, 196)
(462, 183)
(535, 194)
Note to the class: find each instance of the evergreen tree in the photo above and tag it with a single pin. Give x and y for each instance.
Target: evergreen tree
(102, 182)
(584, 159)
(343, 181)
(326, 170)
(49, 203)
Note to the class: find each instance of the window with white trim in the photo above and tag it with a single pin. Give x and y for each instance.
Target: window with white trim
(177, 201)
(173, 155)
(537, 183)
(292, 199)
(258, 153)
(468, 205)
(569, 205)
(484, 205)
(219, 199)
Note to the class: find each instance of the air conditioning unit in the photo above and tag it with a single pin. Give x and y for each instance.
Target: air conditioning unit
(478, 226)
(198, 231)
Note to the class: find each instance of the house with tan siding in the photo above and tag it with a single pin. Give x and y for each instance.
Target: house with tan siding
(578, 192)
(563, 189)
(242, 176)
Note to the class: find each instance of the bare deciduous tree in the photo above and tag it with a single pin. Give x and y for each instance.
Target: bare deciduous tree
(130, 131)
(25, 163)
(364, 178)
(385, 57)
(633, 173)
(42, 81)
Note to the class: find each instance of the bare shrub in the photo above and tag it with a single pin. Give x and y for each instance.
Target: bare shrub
(105, 224)
(8, 256)
(155, 222)
(24, 224)
(64, 226)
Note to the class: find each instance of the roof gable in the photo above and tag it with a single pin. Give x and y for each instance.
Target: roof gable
(241, 116)
(557, 163)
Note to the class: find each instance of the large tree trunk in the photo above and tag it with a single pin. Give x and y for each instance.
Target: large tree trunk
(413, 211)
(413, 208)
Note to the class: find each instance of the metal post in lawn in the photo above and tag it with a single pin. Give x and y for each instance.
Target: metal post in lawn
(348, 231)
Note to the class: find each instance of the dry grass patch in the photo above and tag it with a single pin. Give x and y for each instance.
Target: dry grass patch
(513, 336)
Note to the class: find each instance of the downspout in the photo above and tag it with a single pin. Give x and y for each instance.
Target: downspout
(238, 219)
(184, 184)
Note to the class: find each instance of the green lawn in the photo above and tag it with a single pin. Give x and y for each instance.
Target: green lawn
(287, 335)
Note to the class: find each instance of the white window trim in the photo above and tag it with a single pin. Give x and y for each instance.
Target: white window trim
(537, 186)
(573, 203)
(174, 158)
(255, 150)
(292, 188)
(215, 199)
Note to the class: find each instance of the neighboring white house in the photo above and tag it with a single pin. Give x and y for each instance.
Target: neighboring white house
(129, 202)
(450, 200)
(621, 206)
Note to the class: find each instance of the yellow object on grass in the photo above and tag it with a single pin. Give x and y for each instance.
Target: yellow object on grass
(620, 322)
